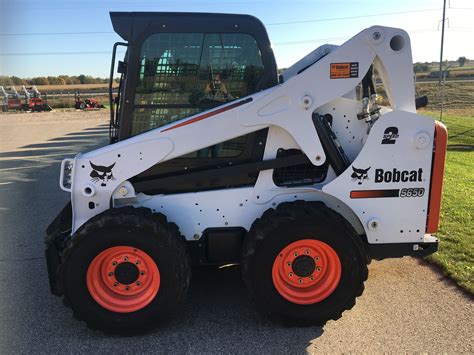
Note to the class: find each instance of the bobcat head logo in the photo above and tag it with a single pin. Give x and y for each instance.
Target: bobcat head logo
(360, 174)
(101, 173)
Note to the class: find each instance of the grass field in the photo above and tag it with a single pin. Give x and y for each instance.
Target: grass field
(457, 96)
(456, 233)
(466, 67)
(458, 72)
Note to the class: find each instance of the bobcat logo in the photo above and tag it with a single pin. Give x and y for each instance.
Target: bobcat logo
(360, 174)
(101, 173)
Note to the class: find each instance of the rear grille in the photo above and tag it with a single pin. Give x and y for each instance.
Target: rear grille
(298, 175)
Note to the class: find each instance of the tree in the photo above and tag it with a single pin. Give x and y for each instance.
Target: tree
(40, 81)
(5, 81)
(70, 79)
(53, 80)
(462, 61)
(17, 81)
(421, 67)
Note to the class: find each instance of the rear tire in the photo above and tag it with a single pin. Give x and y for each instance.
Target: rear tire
(316, 291)
(125, 270)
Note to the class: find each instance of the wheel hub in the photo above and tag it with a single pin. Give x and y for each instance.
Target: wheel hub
(123, 279)
(306, 271)
(126, 273)
(303, 266)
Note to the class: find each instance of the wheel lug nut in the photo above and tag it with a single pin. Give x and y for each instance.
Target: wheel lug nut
(307, 252)
(127, 288)
(300, 281)
(295, 254)
(111, 273)
(138, 283)
(311, 278)
(125, 258)
(316, 258)
(142, 273)
(290, 274)
(114, 263)
(319, 269)
(115, 284)
(288, 263)
(137, 262)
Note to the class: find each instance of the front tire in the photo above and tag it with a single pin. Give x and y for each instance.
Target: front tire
(303, 263)
(125, 270)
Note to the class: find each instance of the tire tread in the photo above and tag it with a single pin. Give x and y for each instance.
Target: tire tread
(130, 216)
(291, 211)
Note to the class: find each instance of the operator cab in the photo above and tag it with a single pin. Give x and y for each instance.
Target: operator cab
(180, 64)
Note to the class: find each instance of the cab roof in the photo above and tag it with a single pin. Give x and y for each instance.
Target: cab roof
(134, 26)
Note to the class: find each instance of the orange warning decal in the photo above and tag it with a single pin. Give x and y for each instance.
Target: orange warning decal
(344, 70)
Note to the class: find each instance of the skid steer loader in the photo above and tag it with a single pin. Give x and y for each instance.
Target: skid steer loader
(214, 159)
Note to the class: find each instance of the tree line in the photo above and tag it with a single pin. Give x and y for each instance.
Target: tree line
(52, 80)
(419, 67)
(87, 79)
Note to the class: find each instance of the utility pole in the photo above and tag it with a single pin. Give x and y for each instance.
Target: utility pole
(442, 42)
(441, 61)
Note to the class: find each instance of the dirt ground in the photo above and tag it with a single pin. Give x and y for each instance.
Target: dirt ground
(407, 306)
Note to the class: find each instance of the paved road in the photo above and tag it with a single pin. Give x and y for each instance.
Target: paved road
(407, 305)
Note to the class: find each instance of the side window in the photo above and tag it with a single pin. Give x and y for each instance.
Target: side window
(169, 65)
(182, 74)
(230, 67)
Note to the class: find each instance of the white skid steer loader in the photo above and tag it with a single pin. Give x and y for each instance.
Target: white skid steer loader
(214, 159)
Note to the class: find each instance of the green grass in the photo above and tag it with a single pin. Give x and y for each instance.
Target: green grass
(456, 232)
(465, 67)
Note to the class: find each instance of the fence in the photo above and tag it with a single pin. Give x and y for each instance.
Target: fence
(66, 99)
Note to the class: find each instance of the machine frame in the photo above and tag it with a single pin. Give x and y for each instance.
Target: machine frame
(287, 110)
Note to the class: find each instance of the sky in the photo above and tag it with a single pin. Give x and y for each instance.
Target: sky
(53, 37)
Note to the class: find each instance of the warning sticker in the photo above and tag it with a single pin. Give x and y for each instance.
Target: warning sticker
(344, 70)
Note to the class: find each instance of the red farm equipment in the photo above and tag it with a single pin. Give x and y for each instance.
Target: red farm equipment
(33, 100)
(10, 99)
(86, 104)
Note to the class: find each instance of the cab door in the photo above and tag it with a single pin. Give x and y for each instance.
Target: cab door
(181, 74)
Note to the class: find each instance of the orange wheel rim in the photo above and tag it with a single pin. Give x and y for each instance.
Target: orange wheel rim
(306, 271)
(123, 279)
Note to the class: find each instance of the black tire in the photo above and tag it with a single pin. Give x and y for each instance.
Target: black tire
(290, 222)
(137, 228)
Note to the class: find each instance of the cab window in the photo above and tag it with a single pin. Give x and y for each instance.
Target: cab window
(182, 74)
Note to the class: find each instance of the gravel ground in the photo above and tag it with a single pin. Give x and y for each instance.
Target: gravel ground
(407, 306)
